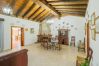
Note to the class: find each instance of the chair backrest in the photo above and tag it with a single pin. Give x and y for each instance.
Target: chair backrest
(90, 53)
(45, 39)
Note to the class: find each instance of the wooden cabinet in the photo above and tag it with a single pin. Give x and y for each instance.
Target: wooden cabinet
(63, 36)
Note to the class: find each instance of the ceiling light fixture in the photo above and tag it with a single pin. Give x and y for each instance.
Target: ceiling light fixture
(7, 10)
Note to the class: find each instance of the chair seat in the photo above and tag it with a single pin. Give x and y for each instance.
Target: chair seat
(81, 47)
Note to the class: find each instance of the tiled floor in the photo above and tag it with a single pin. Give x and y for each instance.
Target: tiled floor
(38, 56)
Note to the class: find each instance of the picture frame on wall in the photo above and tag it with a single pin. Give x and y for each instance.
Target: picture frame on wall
(93, 34)
(85, 28)
(93, 19)
(31, 30)
(97, 25)
(92, 26)
(26, 29)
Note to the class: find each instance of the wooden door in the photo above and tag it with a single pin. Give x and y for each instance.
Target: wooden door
(22, 36)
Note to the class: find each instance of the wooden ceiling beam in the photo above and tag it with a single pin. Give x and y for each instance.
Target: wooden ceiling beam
(31, 12)
(71, 10)
(26, 7)
(38, 14)
(81, 15)
(33, 5)
(43, 14)
(73, 15)
(62, 0)
(45, 4)
(20, 7)
(70, 7)
(69, 3)
(52, 0)
(34, 12)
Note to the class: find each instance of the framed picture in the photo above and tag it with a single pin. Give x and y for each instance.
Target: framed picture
(90, 23)
(26, 29)
(92, 26)
(93, 19)
(31, 30)
(93, 34)
(97, 25)
(85, 28)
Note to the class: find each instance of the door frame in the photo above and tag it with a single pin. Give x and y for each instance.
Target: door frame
(88, 38)
(22, 35)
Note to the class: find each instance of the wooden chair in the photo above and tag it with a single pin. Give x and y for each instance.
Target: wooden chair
(81, 46)
(58, 46)
(45, 42)
(72, 43)
(81, 60)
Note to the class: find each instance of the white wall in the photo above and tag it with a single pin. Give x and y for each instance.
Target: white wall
(77, 30)
(93, 6)
(45, 28)
(29, 38)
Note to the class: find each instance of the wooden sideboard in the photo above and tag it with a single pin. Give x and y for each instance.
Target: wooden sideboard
(18, 58)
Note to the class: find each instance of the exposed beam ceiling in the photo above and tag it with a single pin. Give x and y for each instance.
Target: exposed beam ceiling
(42, 18)
(19, 5)
(26, 7)
(42, 15)
(68, 3)
(35, 12)
(39, 10)
(72, 7)
(45, 4)
(80, 15)
(69, 7)
(32, 11)
(39, 14)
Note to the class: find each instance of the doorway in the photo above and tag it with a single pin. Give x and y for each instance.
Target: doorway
(17, 37)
